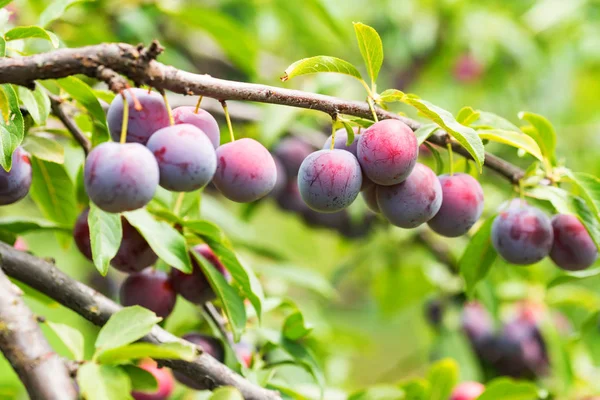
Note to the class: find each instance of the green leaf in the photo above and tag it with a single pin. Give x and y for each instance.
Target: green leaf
(232, 303)
(26, 32)
(12, 128)
(295, 328)
(478, 257)
(105, 237)
(20, 224)
(515, 139)
(136, 351)
(416, 389)
(590, 336)
(442, 376)
(349, 133)
(226, 393)
(371, 49)
(509, 389)
(467, 115)
(55, 10)
(425, 131)
(589, 186)
(439, 163)
(44, 148)
(103, 382)
(558, 350)
(488, 120)
(2, 47)
(575, 276)
(543, 133)
(165, 240)
(141, 380)
(53, 192)
(319, 64)
(71, 337)
(124, 327)
(4, 3)
(304, 357)
(36, 102)
(379, 392)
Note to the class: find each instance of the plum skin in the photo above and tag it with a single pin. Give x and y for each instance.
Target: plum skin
(164, 379)
(329, 180)
(185, 155)
(412, 202)
(246, 171)
(291, 151)
(201, 119)
(462, 205)
(134, 253)
(15, 184)
(522, 234)
(573, 248)
(150, 289)
(467, 391)
(369, 195)
(208, 344)
(387, 152)
(120, 177)
(141, 124)
(341, 138)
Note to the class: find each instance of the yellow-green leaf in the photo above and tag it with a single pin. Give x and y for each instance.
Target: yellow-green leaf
(515, 139)
(318, 64)
(371, 49)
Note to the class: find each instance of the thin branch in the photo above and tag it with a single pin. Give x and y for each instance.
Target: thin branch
(211, 311)
(138, 64)
(46, 278)
(58, 110)
(439, 249)
(42, 371)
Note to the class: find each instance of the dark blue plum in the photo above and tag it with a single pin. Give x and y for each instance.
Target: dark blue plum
(292, 151)
(15, 184)
(141, 123)
(573, 248)
(412, 202)
(462, 205)
(186, 158)
(120, 177)
(477, 322)
(522, 234)
(329, 180)
(150, 289)
(369, 195)
(201, 119)
(387, 152)
(341, 137)
(208, 344)
(246, 171)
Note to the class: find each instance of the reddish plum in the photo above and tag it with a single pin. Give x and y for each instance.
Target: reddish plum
(467, 391)
(573, 249)
(208, 344)
(369, 195)
(15, 184)
(150, 289)
(164, 379)
(467, 68)
(201, 119)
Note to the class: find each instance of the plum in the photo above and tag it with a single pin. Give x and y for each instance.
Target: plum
(290, 200)
(164, 379)
(468, 68)
(15, 184)
(134, 253)
(462, 205)
(208, 344)
(369, 195)
(387, 152)
(244, 352)
(292, 151)
(245, 171)
(120, 177)
(202, 119)
(141, 124)
(329, 180)
(467, 391)
(150, 289)
(281, 182)
(573, 249)
(522, 234)
(476, 322)
(412, 202)
(185, 155)
(341, 137)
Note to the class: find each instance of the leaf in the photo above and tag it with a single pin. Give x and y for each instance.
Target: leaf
(294, 327)
(11, 125)
(478, 257)
(4, 3)
(304, 357)
(232, 303)
(416, 389)
(371, 49)
(590, 190)
(55, 10)
(71, 337)
(379, 392)
(2, 47)
(439, 163)
(20, 224)
(515, 139)
(509, 389)
(467, 115)
(53, 192)
(349, 133)
(590, 337)
(392, 95)
(570, 277)
(226, 393)
(136, 351)
(26, 32)
(44, 148)
(141, 380)
(106, 233)
(124, 327)
(319, 64)
(103, 382)
(36, 102)
(165, 240)
(425, 131)
(81, 92)
(488, 120)
(543, 133)
(442, 376)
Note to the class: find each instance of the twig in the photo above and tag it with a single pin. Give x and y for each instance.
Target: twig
(439, 249)
(214, 314)
(58, 110)
(41, 370)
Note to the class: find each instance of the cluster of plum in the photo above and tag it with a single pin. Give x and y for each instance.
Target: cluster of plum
(523, 235)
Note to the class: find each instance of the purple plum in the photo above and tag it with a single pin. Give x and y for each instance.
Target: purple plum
(15, 184)
(573, 248)
(201, 119)
(150, 289)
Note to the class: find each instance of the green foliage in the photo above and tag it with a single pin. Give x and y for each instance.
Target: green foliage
(124, 327)
(318, 64)
(11, 125)
(26, 32)
(105, 237)
(508, 389)
(478, 257)
(103, 382)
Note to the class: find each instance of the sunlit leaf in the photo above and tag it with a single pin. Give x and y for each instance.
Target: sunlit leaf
(105, 237)
(371, 49)
(71, 337)
(36, 102)
(44, 148)
(53, 191)
(508, 389)
(479, 256)
(55, 10)
(26, 32)
(515, 139)
(442, 376)
(103, 382)
(467, 115)
(543, 133)
(318, 64)
(11, 125)
(124, 327)
(137, 351)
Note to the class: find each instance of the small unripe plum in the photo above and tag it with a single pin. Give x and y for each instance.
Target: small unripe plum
(387, 152)
(120, 177)
(522, 234)
(462, 205)
(150, 289)
(164, 379)
(141, 124)
(573, 249)
(245, 170)
(208, 344)
(201, 119)
(329, 180)
(195, 287)
(467, 391)
(186, 158)
(341, 138)
(369, 195)
(412, 202)
(292, 151)
(467, 68)
(15, 184)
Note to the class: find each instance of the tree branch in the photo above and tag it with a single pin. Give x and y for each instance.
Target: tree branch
(139, 65)
(58, 110)
(41, 370)
(46, 278)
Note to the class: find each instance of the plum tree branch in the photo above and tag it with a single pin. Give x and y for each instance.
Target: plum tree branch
(96, 308)
(41, 370)
(67, 121)
(139, 65)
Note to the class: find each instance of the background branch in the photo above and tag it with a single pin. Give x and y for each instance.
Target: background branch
(58, 109)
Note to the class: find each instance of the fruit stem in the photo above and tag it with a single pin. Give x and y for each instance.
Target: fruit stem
(198, 104)
(521, 189)
(228, 119)
(450, 158)
(333, 130)
(169, 111)
(372, 107)
(125, 120)
(178, 203)
(136, 103)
